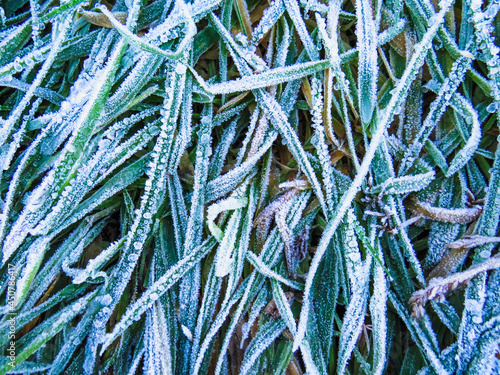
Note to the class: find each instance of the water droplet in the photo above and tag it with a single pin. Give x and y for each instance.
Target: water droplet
(477, 319)
(106, 300)
(492, 107)
(485, 254)
(18, 67)
(137, 245)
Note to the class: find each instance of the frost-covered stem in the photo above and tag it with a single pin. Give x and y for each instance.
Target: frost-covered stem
(269, 78)
(409, 74)
(157, 289)
(412, 256)
(245, 17)
(99, 167)
(418, 335)
(219, 320)
(472, 241)
(351, 253)
(208, 304)
(226, 20)
(229, 333)
(58, 181)
(148, 47)
(203, 152)
(348, 132)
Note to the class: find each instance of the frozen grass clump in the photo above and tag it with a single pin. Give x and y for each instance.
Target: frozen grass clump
(249, 187)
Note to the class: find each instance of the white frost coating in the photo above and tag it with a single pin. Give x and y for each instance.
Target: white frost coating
(33, 261)
(274, 112)
(180, 68)
(409, 74)
(136, 361)
(148, 47)
(284, 307)
(225, 183)
(262, 268)
(149, 203)
(231, 203)
(13, 184)
(219, 320)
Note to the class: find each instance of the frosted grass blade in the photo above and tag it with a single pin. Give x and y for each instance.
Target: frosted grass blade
(368, 67)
